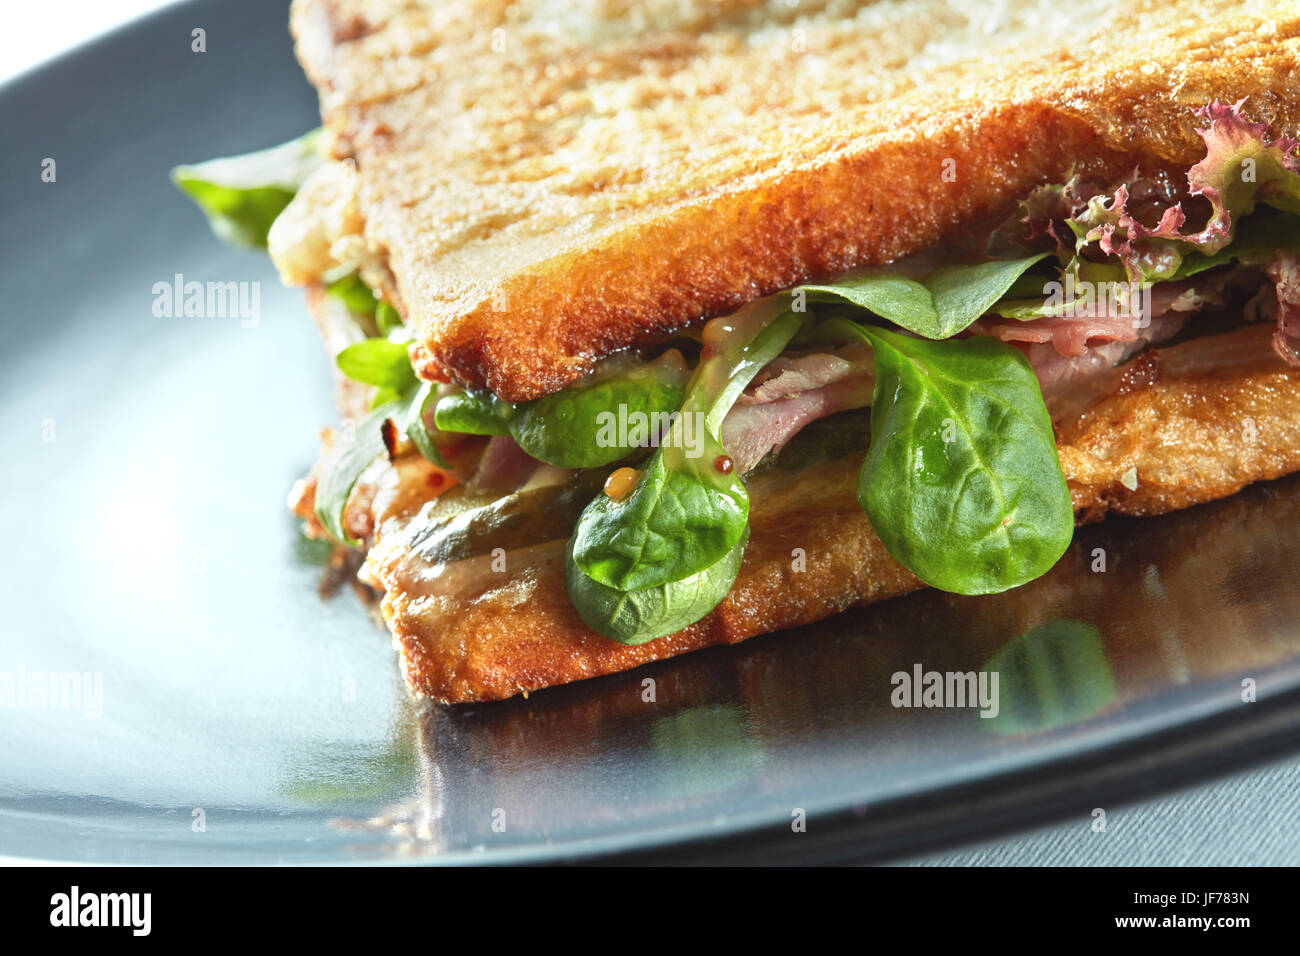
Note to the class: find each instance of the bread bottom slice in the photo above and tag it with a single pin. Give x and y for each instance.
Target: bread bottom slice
(488, 628)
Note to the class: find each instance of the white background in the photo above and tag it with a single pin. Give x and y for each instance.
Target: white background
(36, 30)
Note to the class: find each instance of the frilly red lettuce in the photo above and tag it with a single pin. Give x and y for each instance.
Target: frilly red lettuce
(1242, 168)
(1147, 255)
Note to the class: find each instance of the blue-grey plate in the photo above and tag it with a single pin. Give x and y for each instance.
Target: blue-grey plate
(183, 679)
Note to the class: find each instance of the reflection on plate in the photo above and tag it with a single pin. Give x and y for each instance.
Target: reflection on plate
(1143, 624)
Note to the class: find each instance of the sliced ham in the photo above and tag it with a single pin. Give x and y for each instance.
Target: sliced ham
(1284, 270)
(790, 374)
(503, 467)
(1066, 352)
(1058, 370)
(1075, 335)
(752, 430)
(1249, 347)
(1069, 337)
(793, 390)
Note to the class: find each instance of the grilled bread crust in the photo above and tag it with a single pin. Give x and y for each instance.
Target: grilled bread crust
(553, 181)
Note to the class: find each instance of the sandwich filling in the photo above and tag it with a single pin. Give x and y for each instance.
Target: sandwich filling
(946, 374)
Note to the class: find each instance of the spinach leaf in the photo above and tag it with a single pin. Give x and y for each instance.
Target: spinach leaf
(387, 319)
(471, 412)
(353, 292)
(963, 483)
(362, 302)
(416, 427)
(381, 363)
(937, 306)
(635, 617)
(356, 447)
(586, 426)
(242, 195)
(595, 424)
(689, 508)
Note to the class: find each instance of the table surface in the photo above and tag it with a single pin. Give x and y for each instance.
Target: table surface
(1246, 818)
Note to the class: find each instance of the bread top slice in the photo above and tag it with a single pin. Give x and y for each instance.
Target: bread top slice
(554, 180)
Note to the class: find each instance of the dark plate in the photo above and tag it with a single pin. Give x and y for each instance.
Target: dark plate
(244, 717)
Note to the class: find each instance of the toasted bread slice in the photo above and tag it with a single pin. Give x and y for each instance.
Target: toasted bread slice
(554, 181)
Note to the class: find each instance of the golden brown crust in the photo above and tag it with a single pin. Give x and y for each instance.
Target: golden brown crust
(551, 184)
(1180, 443)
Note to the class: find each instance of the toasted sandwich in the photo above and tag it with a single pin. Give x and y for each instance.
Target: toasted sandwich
(662, 325)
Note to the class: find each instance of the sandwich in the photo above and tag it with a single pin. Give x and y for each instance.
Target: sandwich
(662, 326)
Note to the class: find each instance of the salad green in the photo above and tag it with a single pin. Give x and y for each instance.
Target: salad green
(416, 423)
(689, 508)
(643, 614)
(242, 195)
(571, 428)
(937, 306)
(355, 449)
(382, 363)
(379, 316)
(963, 453)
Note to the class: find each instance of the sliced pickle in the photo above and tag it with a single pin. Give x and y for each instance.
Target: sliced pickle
(518, 520)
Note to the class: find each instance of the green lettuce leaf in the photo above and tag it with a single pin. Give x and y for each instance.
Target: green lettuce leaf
(1242, 168)
(379, 318)
(243, 195)
(472, 412)
(685, 512)
(638, 616)
(584, 426)
(358, 445)
(962, 481)
(355, 449)
(379, 362)
(1258, 238)
(937, 306)
(416, 425)
(353, 292)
